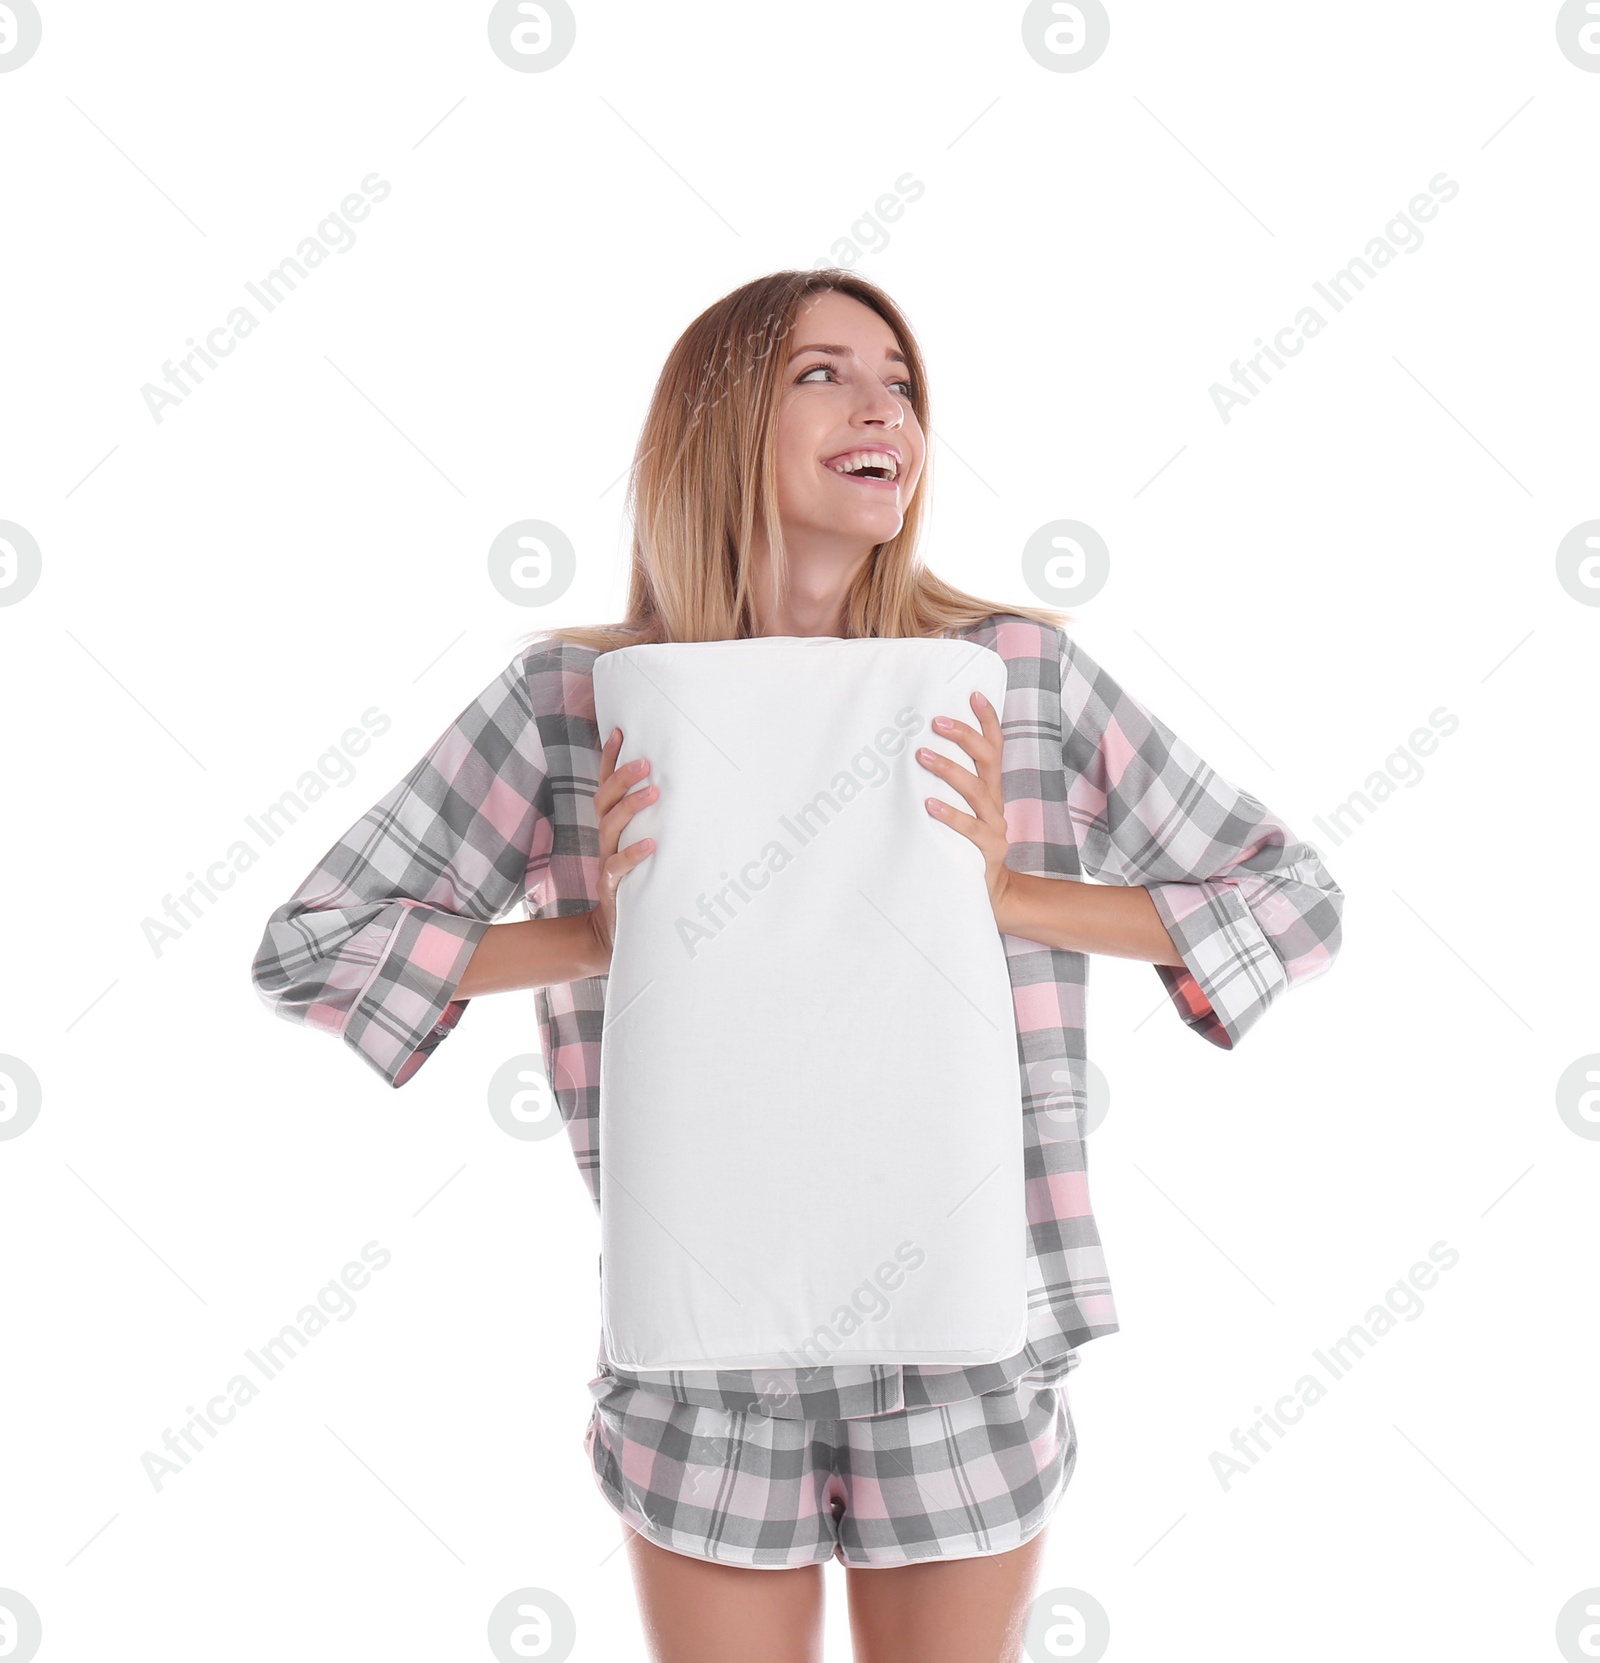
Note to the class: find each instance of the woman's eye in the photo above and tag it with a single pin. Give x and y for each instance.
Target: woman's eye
(828, 369)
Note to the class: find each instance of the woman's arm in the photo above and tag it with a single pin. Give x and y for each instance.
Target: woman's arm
(539, 951)
(1250, 908)
(373, 945)
(1085, 917)
(1194, 876)
(534, 952)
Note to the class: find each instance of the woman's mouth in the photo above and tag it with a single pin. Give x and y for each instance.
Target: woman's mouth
(878, 469)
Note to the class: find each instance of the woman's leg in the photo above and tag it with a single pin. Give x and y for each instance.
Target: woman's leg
(945, 1610)
(696, 1611)
(946, 1486)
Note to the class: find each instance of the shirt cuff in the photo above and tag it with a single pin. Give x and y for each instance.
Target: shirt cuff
(408, 1004)
(1230, 973)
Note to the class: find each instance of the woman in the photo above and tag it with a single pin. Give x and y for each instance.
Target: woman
(933, 1484)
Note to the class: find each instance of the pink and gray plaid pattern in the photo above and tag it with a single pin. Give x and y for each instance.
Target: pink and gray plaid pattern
(958, 1480)
(372, 943)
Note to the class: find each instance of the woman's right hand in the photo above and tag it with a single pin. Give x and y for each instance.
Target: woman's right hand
(614, 806)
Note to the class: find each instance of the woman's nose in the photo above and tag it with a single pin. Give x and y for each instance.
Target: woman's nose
(884, 407)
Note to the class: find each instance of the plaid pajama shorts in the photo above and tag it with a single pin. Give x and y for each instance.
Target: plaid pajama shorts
(940, 1481)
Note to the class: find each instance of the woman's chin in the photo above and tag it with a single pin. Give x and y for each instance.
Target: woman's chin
(875, 525)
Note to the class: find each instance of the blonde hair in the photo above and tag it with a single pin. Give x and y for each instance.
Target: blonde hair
(704, 472)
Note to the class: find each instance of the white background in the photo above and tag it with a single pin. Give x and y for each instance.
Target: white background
(224, 591)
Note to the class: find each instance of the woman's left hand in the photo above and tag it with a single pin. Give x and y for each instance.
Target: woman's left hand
(986, 825)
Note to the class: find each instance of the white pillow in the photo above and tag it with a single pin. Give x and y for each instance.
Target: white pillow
(810, 1117)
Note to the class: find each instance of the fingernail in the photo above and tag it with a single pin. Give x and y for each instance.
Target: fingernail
(925, 754)
(941, 721)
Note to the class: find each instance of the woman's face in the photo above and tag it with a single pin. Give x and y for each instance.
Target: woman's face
(845, 393)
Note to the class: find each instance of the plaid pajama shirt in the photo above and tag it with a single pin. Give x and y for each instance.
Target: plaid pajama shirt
(371, 945)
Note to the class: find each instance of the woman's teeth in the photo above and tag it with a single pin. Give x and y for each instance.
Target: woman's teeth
(873, 465)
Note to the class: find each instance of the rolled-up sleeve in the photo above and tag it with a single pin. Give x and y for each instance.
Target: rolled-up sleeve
(1250, 908)
(372, 943)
